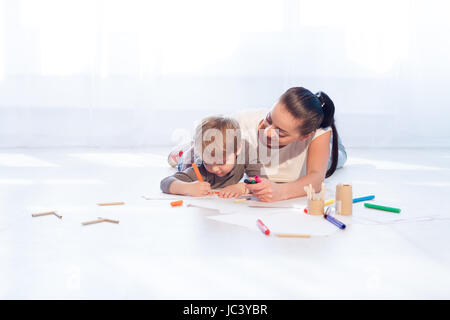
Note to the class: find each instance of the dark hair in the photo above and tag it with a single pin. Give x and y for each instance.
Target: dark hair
(316, 111)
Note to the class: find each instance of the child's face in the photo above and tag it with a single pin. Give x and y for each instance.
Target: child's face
(221, 170)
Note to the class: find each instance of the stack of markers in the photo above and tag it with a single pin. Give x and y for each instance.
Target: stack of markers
(253, 180)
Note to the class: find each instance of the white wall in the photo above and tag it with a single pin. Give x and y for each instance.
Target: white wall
(129, 73)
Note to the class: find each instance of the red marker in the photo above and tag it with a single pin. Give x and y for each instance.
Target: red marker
(305, 210)
(257, 179)
(262, 227)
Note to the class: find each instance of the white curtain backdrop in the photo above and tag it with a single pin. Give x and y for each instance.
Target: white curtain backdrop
(131, 73)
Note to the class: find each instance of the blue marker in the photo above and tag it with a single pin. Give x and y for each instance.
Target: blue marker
(363, 199)
(334, 221)
(337, 223)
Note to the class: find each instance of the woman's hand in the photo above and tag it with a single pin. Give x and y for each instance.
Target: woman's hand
(233, 191)
(266, 190)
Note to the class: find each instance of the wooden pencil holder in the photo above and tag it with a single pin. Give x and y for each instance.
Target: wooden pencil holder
(315, 207)
(344, 199)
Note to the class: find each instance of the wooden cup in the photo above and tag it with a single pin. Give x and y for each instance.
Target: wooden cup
(315, 207)
(344, 199)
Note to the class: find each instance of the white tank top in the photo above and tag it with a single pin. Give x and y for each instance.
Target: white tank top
(292, 158)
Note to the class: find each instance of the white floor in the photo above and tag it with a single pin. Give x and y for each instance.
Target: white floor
(158, 252)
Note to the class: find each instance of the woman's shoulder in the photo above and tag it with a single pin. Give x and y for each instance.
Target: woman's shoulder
(320, 132)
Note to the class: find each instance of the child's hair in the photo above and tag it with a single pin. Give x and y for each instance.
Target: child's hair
(315, 111)
(216, 138)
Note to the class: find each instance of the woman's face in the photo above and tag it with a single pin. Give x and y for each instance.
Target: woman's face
(279, 125)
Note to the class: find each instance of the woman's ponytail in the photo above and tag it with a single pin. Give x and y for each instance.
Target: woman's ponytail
(316, 111)
(328, 121)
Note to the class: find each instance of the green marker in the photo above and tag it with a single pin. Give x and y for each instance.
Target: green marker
(374, 206)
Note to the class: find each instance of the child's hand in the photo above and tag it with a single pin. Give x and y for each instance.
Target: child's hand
(199, 189)
(233, 191)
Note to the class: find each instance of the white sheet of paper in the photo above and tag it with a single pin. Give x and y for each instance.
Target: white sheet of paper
(292, 221)
(227, 206)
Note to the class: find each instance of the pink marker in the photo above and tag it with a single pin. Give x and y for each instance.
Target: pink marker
(262, 227)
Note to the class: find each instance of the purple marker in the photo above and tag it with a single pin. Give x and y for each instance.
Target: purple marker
(334, 221)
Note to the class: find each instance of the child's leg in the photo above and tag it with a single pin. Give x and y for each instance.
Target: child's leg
(176, 153)
(186, 159)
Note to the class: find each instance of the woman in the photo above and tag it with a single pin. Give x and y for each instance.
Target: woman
(293, 140)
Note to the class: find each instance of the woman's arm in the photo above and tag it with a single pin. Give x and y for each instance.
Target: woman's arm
(317, 162)
(316, 168)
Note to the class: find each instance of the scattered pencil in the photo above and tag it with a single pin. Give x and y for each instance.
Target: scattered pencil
(111, 204)
(60, 217)
(46, 214)
(176, 203)
(292, 235)
(271, 207)
(99, 220)
(42, 214)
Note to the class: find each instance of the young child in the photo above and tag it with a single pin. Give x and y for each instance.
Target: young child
(222, 158)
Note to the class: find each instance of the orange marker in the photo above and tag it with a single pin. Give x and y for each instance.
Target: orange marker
(197, 172)
(176, 203)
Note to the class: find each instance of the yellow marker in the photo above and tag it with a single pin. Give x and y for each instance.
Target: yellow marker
(328, 202)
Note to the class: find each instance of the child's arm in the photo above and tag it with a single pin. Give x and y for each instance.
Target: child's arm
(252, 167)
(233, 191)
(185, 183)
